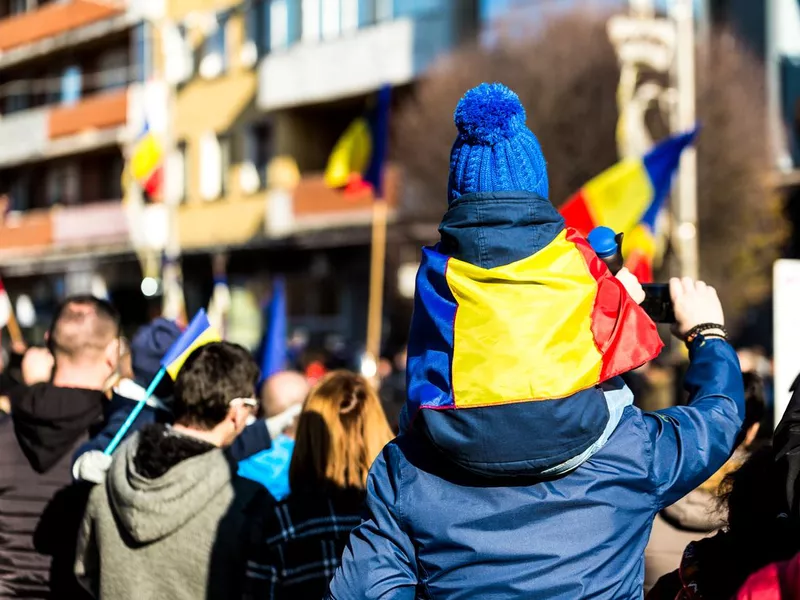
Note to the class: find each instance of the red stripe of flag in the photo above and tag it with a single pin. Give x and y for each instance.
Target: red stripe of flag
(625, 336)
(577, 215)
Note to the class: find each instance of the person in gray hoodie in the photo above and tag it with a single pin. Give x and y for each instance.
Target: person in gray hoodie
(171, 520)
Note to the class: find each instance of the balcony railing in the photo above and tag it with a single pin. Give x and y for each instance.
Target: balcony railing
(100, 111)
(52, 20)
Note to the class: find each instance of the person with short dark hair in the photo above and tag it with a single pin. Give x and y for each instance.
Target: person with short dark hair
(143, 359)
(759, 532)
(55, 407)
(170, 520)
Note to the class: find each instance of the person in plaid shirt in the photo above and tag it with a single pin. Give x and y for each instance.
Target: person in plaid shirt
(340, 432)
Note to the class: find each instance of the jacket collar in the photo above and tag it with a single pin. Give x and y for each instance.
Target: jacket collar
(491, 229)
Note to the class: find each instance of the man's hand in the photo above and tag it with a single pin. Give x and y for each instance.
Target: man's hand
(632, 285)
(279, 423)
(37, 366)
(91, 466)
(695, 303)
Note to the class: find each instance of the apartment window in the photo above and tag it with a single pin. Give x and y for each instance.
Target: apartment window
(9, 8)
(328, 19)
(419, 7)
(142, 62)
(257, 24)
(311, 20)
(224, 142)
(384, 10)
(181, 167)
(259, 149)
(210, 166)
(62, 184)
(370, 12)
(214, 56)
(17, 97)
(112, 67)
(349, 22)
(71, 85)
(179, 58)
(176, 168)
(20, 191)
(111, 168)
(285, 23)
(331, 11)
(278, 24)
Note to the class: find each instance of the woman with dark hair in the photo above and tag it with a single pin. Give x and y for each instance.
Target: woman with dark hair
(340, 432)
(698, 514)
(759, 532)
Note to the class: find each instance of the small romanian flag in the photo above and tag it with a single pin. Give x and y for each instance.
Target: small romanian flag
(626, 193)
(628, 198)
(357, 161)
(198, 333)
(542, 328)
(146, 163)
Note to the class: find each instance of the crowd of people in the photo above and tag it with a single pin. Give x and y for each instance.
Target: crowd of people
(514, 464)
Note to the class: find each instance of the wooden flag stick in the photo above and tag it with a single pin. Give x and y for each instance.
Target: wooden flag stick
(376, 277)
(13, 329)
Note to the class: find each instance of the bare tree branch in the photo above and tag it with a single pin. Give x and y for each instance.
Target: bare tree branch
(566, 77)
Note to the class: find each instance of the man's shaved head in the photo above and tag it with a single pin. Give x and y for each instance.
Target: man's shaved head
(282, 391)
(83, 328)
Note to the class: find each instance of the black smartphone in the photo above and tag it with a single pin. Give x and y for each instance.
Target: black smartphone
(658, 302)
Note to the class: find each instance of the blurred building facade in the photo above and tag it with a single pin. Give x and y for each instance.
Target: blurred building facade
(72, 81)
(282, 79)
(249, 97)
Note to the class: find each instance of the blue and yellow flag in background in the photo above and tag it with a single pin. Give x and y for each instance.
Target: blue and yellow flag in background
(198, 333)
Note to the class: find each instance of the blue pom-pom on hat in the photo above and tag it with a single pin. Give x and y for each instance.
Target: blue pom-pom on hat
(489, 114)
(494, 151)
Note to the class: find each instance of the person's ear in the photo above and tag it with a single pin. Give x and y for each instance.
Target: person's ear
(112, 354)
(237, 415)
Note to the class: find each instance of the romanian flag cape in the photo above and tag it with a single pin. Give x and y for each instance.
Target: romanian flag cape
(541, 328)
(198, 333)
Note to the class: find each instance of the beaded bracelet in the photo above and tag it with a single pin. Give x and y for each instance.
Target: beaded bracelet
(703, 327)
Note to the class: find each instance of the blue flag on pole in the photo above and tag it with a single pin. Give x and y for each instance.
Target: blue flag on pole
(273, 358)
(380, 138)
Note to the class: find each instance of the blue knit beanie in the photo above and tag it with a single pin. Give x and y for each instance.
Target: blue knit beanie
(494, 151)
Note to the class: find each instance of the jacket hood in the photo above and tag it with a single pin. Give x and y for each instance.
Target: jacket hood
(152, 509)
(50, 420)
(517, 328)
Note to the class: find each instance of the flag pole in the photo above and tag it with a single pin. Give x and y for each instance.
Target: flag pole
(135, 412)
(13, 329)
(376, 278)
(684, 117)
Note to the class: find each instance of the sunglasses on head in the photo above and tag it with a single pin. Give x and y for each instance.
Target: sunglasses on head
(248, 402)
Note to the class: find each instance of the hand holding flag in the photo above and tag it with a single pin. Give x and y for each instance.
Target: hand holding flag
(198, 333)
